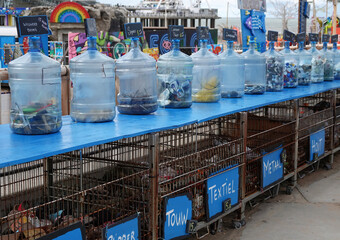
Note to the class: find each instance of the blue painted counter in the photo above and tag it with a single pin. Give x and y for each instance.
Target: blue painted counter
(17, 149)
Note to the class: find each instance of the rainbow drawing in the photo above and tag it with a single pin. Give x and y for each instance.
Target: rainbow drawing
(69, 12)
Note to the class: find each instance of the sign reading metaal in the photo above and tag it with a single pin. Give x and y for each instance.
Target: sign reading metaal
(32, 26)
(126, 229)
(178, 210)
(74, 232)
(272, 167)
(316, 144)
(220, 188)
(133, 30)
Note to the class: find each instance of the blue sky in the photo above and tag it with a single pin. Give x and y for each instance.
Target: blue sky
(221, 5)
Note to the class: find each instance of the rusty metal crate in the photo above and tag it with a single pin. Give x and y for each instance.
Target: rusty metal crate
(337, 119)
(268, 128)
(315, 113)
(185, 165)
(96, 185)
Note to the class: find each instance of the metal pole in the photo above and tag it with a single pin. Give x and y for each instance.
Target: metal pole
(244, 133)
(227, 13)
(296, 140)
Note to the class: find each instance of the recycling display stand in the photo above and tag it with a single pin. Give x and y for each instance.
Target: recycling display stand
(168, 174)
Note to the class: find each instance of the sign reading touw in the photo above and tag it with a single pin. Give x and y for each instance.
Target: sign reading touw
(126, 229)
(272, 167)
(220, 188)
(317, 144)
(177, 211)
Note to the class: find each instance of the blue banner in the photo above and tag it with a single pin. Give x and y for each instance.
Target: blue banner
(177, 211)
(316, 144)
(75, 232)
(272, 167)
(220, 188)
(126, 229)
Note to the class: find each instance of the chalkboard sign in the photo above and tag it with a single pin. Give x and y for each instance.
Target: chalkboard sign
(272, 36)
(316, 144)
(219, 189)
(272, 167)
(32, 26)
(74, 232)
(191, 226)
(133, 30)
(127, 228)
(335, 38)
(325, 38)
(202, 33)
(90, 27)
(229, 35)
(314, 37)
(288, 36)
(176, 32)
(177, 214)
(301, 37)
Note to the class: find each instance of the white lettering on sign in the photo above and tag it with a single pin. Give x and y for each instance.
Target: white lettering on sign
(178, 219)
(317, 145)
(225, 189)
(271, 166)
(131, 31)
(30, 24)
(129, 236)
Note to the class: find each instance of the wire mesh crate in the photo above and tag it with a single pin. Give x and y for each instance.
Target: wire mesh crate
(337, 120)
(191, 155)
(268, 129)
(316, 113)
(96, 185)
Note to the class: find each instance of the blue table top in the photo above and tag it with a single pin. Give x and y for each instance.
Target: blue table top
(16, 149)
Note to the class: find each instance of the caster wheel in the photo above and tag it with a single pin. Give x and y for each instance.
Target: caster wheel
(213, 228)
(289, 190)
(328, 166)
(243, 222)
(237, 224)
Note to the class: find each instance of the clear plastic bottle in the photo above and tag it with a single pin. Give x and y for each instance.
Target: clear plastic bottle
(318, 64)
(336, 61)
(255, 70)
(206, 83)
(305, 65)
(329, 63)
(35, 82)
(137, 76)
(92, 74)
(274, 69)
(175, 78)
(290, 72)
(232, 71)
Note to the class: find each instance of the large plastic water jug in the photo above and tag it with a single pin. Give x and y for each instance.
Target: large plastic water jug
(336, 61)
(255, 70)
(137, 76)
(318, 64)
(274, 69)
(175, 78)
(290, 72)
(92, 74)
(329, 63)
(305, 65)
(206, 86)
(232, 71)
(35, 84)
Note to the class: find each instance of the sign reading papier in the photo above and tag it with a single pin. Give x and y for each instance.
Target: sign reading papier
(317, 144)
(126, 229)
(178, 210)
(220, 188)
(272, 167)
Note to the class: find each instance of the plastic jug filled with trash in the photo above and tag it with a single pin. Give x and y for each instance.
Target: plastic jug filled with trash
(35, 82)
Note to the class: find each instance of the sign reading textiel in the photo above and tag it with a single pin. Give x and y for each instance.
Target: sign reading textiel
(178, 210)
(32, 26)
(74, 232)
(126, 229)
(316, 144)
(272, 167)
(220, 188)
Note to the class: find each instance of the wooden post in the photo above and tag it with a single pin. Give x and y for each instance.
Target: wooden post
(334, 20)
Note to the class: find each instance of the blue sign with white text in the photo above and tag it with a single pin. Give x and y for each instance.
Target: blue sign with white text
(126, 229)
(316, 144)
(75, 232)
(177, 211)
(220, 188)
(272, 167)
